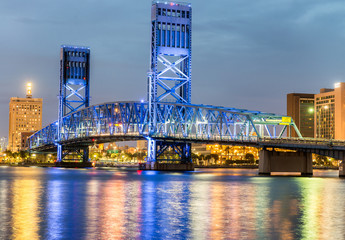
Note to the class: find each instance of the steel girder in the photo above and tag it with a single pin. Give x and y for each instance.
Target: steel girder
(175, 121)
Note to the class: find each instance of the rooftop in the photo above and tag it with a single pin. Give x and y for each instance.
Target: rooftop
(172, 3)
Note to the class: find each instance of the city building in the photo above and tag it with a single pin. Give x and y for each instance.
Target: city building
(200, 149)
(3, 143)
(142, 144)
(330, 112)
(300, 106)
(25, 117)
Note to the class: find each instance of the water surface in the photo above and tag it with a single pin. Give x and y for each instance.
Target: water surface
(53, 203)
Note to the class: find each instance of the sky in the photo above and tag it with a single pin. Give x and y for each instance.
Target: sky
(245, 54)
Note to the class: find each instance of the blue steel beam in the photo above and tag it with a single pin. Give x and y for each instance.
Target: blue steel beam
(177, 121)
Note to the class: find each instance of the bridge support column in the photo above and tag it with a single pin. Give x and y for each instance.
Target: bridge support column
(74, 157)
(272, 161)
(342, 169)
(157, 149)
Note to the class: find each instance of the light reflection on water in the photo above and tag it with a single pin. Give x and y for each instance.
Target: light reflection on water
(207, 204)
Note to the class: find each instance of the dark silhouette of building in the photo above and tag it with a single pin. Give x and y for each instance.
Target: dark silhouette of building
(301, 107)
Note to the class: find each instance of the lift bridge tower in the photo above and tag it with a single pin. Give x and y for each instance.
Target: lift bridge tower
(169, 78)
(74, 93)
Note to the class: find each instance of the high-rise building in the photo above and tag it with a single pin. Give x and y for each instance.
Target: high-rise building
(300, 106)
(25, 118)
(330, 112)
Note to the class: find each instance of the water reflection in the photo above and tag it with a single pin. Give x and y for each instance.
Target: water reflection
(112, 211)
(55, 209)
(226, 204)
(26, 210)
(93, 201)
(5, 207)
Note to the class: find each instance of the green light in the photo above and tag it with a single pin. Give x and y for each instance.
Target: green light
(311, 110)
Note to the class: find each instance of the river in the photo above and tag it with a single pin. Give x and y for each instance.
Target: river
(54, 203)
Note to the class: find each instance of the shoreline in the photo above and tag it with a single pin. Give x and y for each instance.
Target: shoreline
(137, 166)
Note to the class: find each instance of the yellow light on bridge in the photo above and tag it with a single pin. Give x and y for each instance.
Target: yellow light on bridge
(286, 119)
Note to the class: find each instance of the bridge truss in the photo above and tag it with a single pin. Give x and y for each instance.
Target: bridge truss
(176, 123)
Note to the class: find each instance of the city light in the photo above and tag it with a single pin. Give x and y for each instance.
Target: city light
(28, 89)
(311, 110)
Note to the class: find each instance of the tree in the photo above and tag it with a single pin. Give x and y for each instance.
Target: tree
(194, 156)
(95, 156)
(249, 157)
(129, 156)
(108, 154)
(24, 155)
(8, 153)
(227, 149)
(322, 160)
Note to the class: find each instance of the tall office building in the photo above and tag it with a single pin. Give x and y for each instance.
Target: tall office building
(330, 112)
(300, 106)
(25, 119)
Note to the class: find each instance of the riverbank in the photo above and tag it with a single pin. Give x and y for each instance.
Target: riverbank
(30, 164)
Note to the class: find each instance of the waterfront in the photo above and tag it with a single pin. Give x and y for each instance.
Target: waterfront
(53, 203)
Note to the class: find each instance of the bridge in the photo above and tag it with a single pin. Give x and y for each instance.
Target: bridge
(126, 121)
(168, 119)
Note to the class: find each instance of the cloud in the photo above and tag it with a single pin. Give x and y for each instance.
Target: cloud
(321, 11)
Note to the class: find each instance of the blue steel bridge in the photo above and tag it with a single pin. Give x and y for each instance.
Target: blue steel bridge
(168, 119)
(126, 121)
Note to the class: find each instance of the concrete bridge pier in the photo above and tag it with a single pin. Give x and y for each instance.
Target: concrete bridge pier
(157, 166)
(272, 161)
(342, 169)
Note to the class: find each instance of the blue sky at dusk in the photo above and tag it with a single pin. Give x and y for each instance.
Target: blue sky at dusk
(246, 54)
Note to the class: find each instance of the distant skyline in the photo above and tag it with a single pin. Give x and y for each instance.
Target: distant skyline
(245, 54)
